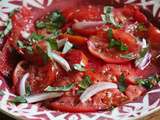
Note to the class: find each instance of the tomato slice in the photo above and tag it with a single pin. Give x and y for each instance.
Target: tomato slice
(99, 47)
(40, 76)
(75, 39)
(21, 21)
(83, 13)
(66, 104)
(154, 35)
(134, 91)
(76, 57)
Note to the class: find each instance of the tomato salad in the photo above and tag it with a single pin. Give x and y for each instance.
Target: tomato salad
(84, 59)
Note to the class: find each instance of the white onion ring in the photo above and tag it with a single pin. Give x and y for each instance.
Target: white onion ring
(142, 63)
(94, 89)
(86, 24)
(65, 65)
(61, 42)
(22, 85)
(42, 96)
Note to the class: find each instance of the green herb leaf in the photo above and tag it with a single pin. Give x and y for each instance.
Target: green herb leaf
(36, 37)
(110, 33)
(121, 83)
(149, 82)
(7, 29)
(143, 52)
(67, 46)
(40, 24)
(86, 82)
(117, 44)
(79, 67)
(141, 27)
(28, 89)
(108, 17)
(129, 56)
(19, 99)
(56, 19)
(20, 44)
(80, 91)
(61, 88)
(69, 31)
(43, 54)
(53, 43)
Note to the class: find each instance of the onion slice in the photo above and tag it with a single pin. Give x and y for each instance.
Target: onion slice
(22, 85)
(142, 63)
(94, 89)
(42, 96)
(86, 24)
(65, 65)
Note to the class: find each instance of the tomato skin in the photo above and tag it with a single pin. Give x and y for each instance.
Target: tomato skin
(21, 21)
(75, 39)
(67, 108)
(76, 57)
(42, 76)
(154, 37)
(104, 55)
(133, 11)
(134, 91)
(126, 38)
(83, 13)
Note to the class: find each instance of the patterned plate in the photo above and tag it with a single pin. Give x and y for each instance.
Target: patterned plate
(140, 107)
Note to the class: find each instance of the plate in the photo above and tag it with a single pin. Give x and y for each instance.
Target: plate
(142, 106)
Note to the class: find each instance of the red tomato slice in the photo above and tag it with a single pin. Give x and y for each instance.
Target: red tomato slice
(133, 11)
(75, 39)
(134, 91)
(83, 13)
(39, 78)
(99, 47)
(76, 57)
(154, 37)
(66, 104)
(21, 21)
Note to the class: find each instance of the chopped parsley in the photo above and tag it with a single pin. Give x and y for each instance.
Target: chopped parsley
(29, 48)
(114, 43)
(141, 27)
(85, 83)
(69, 31)
(60, 88)
(19, 99)
(43, 54)
(53, 44)
(149, 82)
(121, 83)
(8, 28)
(36, 37)
(108, 17)
(28, 89)
(40, 24)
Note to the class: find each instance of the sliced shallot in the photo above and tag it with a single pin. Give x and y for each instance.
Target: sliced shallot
(42, 96)
(95, 88)
(22, 85)
(65, 65)
(86, 24)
